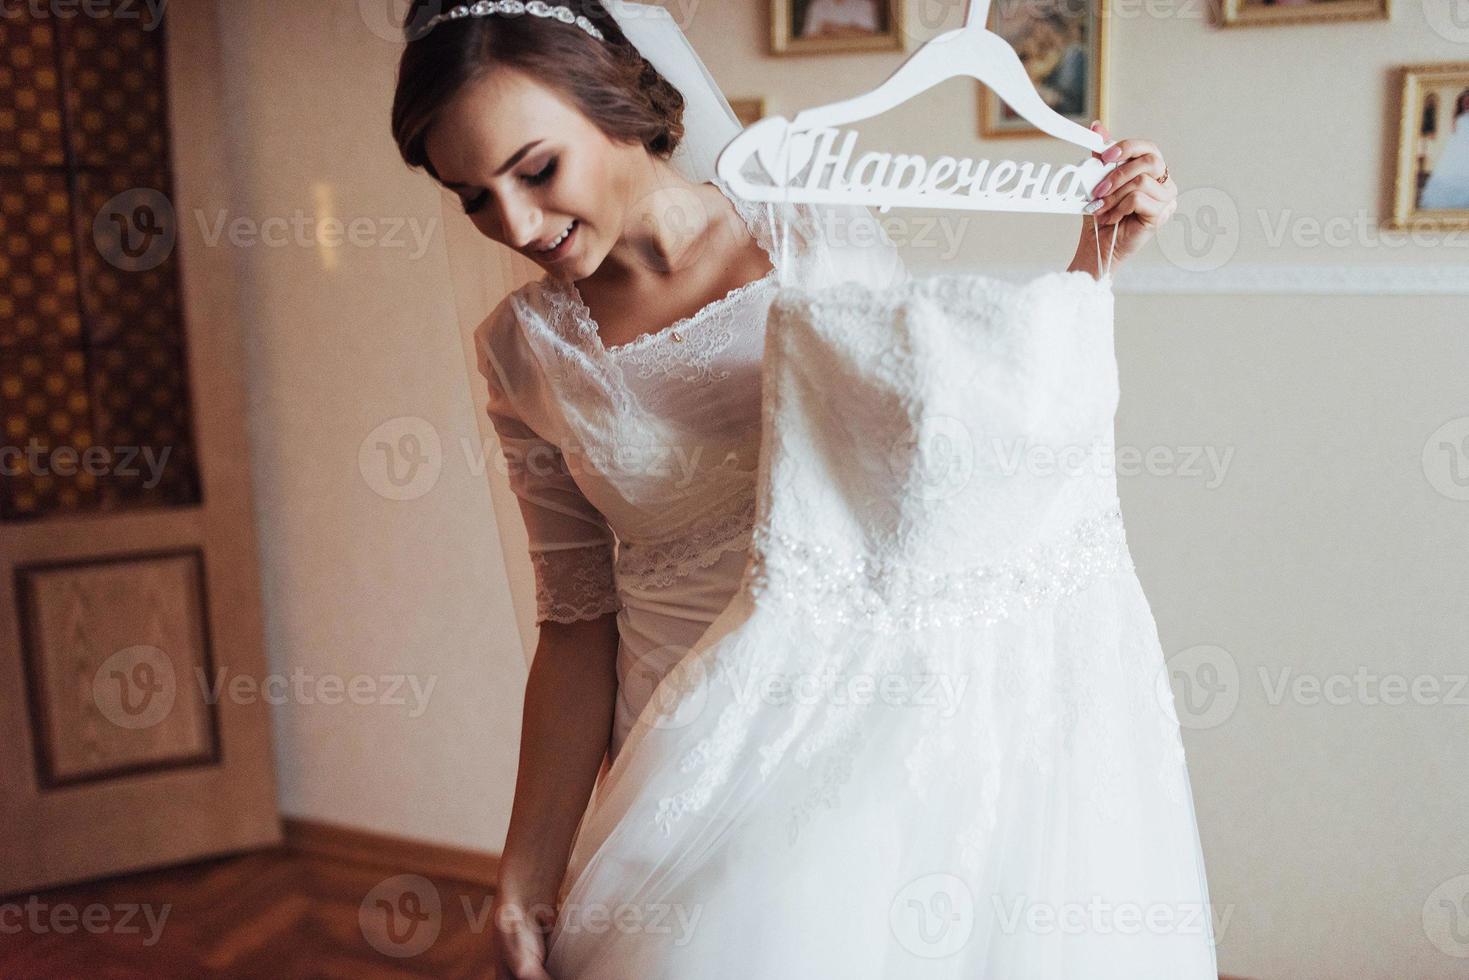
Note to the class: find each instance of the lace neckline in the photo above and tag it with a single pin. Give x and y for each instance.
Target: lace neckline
(577, 308)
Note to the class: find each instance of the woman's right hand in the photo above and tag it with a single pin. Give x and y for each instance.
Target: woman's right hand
(518, 932)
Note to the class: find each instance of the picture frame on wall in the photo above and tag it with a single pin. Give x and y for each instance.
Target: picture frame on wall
(1064, 50)
(748, 111)
(833, 26)
(1432, 186)
(1244, 13)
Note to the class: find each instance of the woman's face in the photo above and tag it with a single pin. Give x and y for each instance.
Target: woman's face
(527, 166)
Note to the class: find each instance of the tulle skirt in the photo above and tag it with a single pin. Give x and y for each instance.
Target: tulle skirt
(804, 798)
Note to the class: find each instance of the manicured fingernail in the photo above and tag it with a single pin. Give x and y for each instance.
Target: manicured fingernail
(1093, 207)
(1111, 153)
(1102, 188)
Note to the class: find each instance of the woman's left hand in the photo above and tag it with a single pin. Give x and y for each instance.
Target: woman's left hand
(1135, 195)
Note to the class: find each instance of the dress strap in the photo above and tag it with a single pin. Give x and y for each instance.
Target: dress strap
(1097, 240)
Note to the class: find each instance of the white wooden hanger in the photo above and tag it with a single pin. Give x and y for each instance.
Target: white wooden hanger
(785, 148)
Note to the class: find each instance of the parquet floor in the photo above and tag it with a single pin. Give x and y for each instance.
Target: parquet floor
(275, 914)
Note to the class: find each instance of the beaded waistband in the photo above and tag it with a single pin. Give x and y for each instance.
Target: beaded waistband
(889, 597)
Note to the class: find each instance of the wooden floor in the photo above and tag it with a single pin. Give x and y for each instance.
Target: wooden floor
(279, 914)
(273, 914)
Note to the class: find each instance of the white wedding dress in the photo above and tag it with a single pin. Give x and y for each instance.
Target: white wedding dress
(929, 735)
(635, 465)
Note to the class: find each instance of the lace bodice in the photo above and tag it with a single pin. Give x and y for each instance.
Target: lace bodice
(977, 396)
(634, 463)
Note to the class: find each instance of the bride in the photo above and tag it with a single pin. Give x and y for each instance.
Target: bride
(625, 389)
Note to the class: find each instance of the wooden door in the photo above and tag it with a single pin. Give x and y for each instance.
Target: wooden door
(133, 727)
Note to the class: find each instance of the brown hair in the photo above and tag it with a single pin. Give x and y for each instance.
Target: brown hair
(609, 81)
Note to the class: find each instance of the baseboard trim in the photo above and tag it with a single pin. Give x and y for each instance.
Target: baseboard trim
(401, 854)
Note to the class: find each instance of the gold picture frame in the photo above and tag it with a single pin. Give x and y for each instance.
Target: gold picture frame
(1433, 147)
(1041, 30)
(748, 111)
(1254, 13)
(794, 26)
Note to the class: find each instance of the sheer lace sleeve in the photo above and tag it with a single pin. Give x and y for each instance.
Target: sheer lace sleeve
(571, 544)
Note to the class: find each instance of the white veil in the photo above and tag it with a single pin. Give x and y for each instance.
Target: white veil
(709, 122)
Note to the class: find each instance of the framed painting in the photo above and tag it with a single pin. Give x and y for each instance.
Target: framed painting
(826, 26)
(1432, 186)
(1237, 13)
(1064, 50)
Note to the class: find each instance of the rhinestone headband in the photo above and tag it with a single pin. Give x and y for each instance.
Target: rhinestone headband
(513, 8)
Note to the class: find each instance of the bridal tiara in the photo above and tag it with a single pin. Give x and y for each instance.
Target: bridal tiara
(513, 8)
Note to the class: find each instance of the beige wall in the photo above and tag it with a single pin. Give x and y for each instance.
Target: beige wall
(1329, 541)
